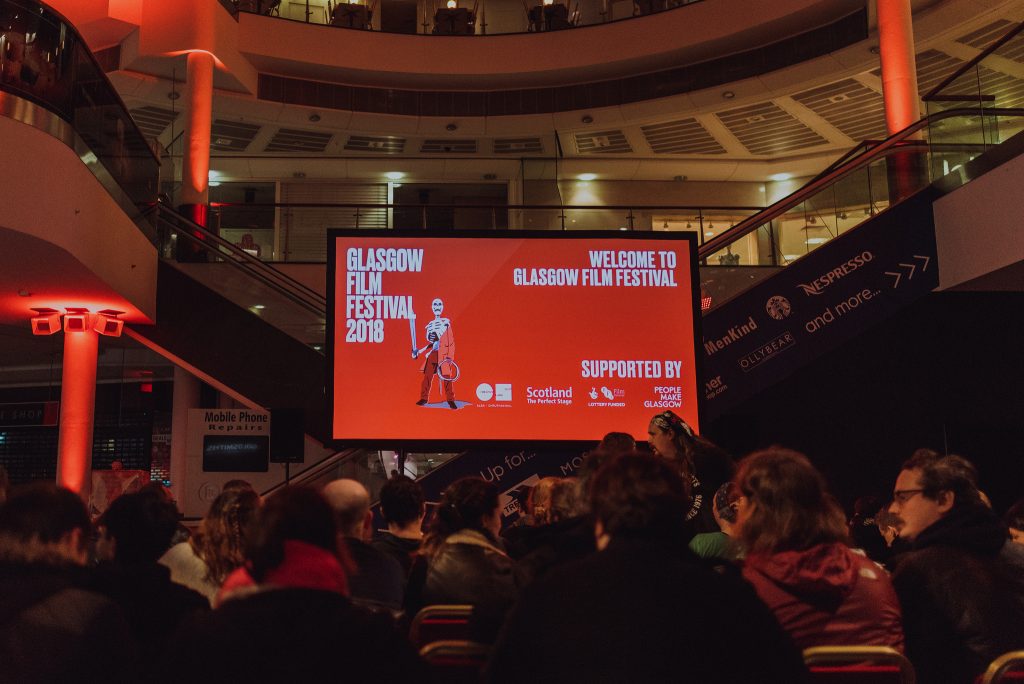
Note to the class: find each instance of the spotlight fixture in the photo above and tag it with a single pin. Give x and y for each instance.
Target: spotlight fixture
(587, 119)
(77, 320)
(46, 322)
(314, 118)
(107, 323)
(842, 216)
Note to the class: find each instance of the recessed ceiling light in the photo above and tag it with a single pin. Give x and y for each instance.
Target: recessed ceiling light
(314, 117)
(817, 241)
(780, 176)
(259, 306)
(394, 175)
(586, 176)
(451, 127)
(587, 119)
(728, 95)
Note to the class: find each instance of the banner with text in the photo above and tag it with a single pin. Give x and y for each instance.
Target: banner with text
(819, 302)
(518, 337)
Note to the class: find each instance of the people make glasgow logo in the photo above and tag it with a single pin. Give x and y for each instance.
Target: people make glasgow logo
(818, 285)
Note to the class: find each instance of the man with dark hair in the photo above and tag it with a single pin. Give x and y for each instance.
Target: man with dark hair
(403, 507)
(643, 608)
(133, 533)
(378, 580)
(961, 585)
(52, 629)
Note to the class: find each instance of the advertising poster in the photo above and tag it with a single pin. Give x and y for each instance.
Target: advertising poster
(525, 336)
(811, 307)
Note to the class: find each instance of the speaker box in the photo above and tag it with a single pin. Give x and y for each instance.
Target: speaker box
(287, 435)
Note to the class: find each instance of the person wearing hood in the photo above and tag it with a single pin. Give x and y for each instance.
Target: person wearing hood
(961, 584)
(794, 534)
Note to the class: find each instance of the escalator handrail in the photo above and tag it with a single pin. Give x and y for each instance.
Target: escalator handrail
(312, 470)
(288, 286)
(752, 223)
(933, 94)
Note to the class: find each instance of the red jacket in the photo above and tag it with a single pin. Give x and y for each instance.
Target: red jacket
(828, 595)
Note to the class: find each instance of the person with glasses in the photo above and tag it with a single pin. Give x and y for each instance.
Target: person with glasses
(961, 584)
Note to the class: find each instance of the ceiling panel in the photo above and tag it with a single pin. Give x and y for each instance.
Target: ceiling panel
(295, 140)
(448, 147)
(153, 120)
(384, 144)
(232, 136)
(764, 128)
(856, 110)
(685, 136)
(602, 142)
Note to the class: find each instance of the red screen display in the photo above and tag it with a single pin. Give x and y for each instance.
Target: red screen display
(509, 338)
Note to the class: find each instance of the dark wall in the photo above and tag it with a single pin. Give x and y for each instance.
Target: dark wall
(947, 373)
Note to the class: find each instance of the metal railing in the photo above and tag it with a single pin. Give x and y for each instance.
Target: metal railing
(470, 17)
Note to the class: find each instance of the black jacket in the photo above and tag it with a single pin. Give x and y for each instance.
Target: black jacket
(401, 549)
(642, 611)
(291, 635)
(552, 545)
(961, 587)
(470, 568)
(378, 579)
(54, 630)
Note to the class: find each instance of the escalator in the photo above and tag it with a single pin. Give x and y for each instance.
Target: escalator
(858, 269)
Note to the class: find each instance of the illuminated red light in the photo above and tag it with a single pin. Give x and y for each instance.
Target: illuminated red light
(146, 387)
(705, 303)
(76, 322)
(46, 323)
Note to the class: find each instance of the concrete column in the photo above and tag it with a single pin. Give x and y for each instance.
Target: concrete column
(77, 411)
(899, 66)
(195, 168)
(906, 169)
(184, 397)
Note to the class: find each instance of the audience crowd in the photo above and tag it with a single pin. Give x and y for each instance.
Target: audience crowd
(671, 563)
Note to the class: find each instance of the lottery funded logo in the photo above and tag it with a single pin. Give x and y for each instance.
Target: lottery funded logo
(667, 396)
(603, 395)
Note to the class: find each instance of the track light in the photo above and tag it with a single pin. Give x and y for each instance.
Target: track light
(46, 323)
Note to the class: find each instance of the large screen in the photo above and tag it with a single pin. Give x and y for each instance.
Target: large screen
(510, 336)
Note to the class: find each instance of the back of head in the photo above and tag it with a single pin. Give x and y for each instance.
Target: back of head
(221, 538)
(617, 443)
(564, 502)
(640, 496)
(788, 507)
(464, 505)
(294, 514)
(950, 473)
(1014, 517)
(725, 500)
(36, 518)
(539, 501)
(402, 501)
(237, 485)
(350, 502)
(142, 524)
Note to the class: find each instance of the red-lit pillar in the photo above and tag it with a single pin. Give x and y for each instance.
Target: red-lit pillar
(899, 91)
(77, 409)
(195, 170)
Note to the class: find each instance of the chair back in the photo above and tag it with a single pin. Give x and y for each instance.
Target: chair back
(440, 623)
(456, 661)
(1008, 667)
(858, 665)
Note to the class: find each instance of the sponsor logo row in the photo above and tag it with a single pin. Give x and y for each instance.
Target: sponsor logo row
(498, 394)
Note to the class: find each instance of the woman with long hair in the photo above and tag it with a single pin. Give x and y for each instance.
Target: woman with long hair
(463, 561)
(218, 547)
(798, 558)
